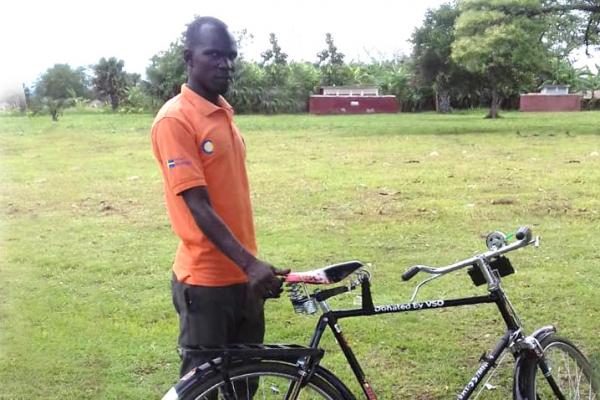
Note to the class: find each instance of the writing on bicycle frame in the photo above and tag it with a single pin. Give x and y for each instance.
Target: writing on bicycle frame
(410, 306)
(473, 382)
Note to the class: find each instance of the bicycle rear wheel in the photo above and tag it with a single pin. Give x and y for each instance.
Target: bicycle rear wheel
(270, 380)
(570, 369)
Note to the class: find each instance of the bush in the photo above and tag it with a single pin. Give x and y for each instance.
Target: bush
(590, 104)
(137, 101)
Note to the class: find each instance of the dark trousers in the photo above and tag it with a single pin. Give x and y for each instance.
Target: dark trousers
(210, 316)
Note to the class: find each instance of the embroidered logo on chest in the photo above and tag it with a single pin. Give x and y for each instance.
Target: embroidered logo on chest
(208, 147)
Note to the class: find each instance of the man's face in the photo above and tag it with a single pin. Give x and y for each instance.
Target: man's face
(210, 61)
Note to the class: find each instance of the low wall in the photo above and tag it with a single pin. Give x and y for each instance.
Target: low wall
(550, 102)
(320, 104)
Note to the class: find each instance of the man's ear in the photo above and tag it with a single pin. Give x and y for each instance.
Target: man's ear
(187, 57)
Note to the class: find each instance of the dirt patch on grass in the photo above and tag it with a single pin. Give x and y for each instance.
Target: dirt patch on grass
(369, 204)
(377, 204)
(503, 202)
(106, 207)
(92, 206)
(15, 211)
(12, 209)
(560, 208)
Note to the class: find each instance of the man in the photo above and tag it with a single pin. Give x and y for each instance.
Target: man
(219, 285)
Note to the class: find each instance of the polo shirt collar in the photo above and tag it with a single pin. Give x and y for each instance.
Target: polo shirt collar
(204, 106)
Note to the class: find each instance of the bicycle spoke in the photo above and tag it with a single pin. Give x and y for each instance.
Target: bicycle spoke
(570, 371)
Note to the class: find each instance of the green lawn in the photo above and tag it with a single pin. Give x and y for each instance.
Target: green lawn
(86, 245)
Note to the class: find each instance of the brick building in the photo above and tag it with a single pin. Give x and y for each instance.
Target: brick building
(551, 98)
(351, 100)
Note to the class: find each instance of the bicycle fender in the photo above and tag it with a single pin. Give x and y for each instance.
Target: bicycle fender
(522, 365)
(520, 381)
(171, 394)
(211, 367)
(191, 377)
(204, 371)
(334, 380)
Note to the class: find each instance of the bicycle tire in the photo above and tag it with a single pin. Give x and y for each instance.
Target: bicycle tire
(571, 370)
(274, 377)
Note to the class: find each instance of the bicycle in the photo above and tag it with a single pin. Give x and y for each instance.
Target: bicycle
(546, 365)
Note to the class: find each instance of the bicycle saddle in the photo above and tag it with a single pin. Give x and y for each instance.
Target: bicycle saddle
(326, 275)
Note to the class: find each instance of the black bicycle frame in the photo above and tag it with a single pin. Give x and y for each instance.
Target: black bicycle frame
(330, 318)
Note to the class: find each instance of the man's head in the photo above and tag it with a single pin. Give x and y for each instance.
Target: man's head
(209, 53)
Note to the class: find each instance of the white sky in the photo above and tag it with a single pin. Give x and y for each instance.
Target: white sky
(35, 35)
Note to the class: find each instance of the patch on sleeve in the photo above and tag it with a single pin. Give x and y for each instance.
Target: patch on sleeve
(178, 162)
(208, 146)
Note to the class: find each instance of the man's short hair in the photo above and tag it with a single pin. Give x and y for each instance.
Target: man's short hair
(192, 34)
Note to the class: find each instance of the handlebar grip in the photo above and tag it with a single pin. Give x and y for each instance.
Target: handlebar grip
(524, 232)
(409, 273)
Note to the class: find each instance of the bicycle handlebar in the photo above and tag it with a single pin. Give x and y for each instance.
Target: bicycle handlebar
(305, 303)
(412, 271)
(523, 232)
(523, 235)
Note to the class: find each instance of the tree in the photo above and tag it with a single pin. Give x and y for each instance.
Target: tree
(247, 88)
(560, 71)
(578, 19)
(433, 65)
(331, 63)
(504, 47)
(27, 94)
(166, 73)
(393, 77)
(132, 79)
(242, 38)
(590, 81)
(303, 78)
(111, 81)
(274, 55)
(15, 97)
(274, 62)
(58, 81)
(57, 87)
(397, 79)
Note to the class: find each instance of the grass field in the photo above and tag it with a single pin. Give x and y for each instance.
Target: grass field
(86, 245)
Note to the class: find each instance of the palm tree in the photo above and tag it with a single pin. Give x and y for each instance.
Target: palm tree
(591, 81)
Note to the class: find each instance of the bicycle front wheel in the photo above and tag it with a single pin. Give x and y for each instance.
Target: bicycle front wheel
(270, 380)
(570, 371)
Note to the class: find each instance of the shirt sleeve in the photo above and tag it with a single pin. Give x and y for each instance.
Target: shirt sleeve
(178, 155)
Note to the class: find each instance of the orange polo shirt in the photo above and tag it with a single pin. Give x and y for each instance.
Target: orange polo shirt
(196, 143)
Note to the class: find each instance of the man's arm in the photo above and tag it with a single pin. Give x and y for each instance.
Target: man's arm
(262, 276)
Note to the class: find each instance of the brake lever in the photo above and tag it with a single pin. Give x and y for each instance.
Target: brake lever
(421, 284)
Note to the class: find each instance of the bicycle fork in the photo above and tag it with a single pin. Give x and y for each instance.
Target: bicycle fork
(530, 348)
